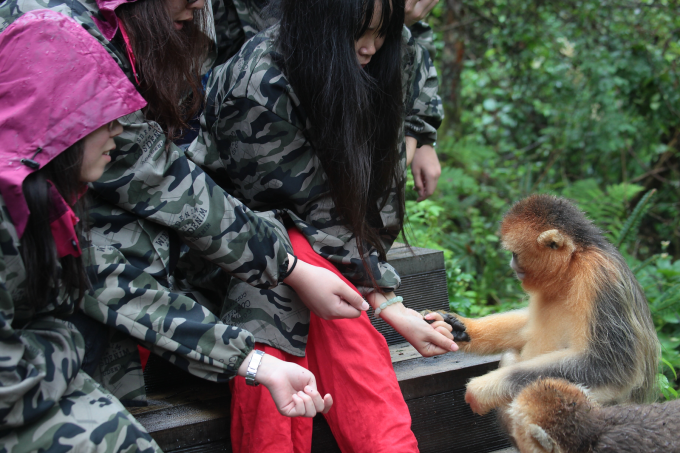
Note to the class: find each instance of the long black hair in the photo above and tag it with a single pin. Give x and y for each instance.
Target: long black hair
(168, 61)
(46, 273)
(356, 114)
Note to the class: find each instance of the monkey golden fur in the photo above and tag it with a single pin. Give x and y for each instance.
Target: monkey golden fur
(587, 321)
(555, 416)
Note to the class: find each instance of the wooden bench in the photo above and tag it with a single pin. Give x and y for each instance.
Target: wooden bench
(187, 414)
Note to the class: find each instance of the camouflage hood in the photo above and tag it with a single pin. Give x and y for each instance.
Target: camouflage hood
(57, 84)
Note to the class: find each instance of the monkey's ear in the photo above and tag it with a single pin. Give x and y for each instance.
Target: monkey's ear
(542, 437)
(552, 239)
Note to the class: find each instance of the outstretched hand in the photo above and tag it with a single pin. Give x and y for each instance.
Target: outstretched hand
(457, 328)
(324, 293)
(293, 388)
(428, 339)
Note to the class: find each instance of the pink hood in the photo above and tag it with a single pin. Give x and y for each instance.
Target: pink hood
(57, 84)
(109, 25)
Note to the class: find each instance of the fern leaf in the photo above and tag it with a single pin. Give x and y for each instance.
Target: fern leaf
(635, 217)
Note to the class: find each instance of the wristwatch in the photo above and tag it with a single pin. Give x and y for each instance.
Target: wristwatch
(252, 369)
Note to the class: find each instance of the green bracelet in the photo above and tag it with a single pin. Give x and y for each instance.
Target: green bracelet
(387, 303)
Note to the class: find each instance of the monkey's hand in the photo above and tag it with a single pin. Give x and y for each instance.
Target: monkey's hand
(482, 394)
(458, 327)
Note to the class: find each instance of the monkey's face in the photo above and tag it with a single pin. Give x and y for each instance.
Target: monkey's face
(538, 256)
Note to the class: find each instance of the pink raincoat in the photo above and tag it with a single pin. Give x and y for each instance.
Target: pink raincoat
(57, 84)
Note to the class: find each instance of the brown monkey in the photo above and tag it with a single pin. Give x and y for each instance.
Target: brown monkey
(555, 416)
(587, 321)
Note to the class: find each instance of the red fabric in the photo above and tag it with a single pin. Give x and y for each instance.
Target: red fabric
(62, 224)
(144, 356)
(351, 361)
(256, 424)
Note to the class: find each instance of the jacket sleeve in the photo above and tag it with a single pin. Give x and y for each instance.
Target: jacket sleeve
(37, 362)
(423, 35)
(170, 323)
(161, 185)
(267, 162)
(424, 106)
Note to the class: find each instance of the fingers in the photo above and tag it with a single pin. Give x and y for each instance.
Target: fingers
(328, 402)
(416, 10)
(445, 326)
(352, 298)
(428, 7)
(442, 330)
(310, 408)
(429, 179)
(433, 316)
(443, 343)
(426, 169)
(430, 184)
(458, 327)
(307, 403)
(317, 400)
(298, 408)
(419, 185)
(342, 311)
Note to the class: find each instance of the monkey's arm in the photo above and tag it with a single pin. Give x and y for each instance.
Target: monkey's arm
(495, 333)
(500, 386)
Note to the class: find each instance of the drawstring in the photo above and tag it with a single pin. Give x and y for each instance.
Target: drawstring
(128, 49)
(31, 163)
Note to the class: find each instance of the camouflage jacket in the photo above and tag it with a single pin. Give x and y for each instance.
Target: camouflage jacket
(40, 354)
(253, 139)
(149, 204)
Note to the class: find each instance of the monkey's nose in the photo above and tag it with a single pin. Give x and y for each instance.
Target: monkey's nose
(516, 267)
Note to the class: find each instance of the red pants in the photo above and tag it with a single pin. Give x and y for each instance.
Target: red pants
(351, 361)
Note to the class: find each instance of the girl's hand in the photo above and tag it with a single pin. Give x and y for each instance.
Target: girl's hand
(293, 388)
(426, 169)
(428, 339)
(324, 293)
(416, 10)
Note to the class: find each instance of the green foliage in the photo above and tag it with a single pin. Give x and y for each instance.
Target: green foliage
(578, 99)
(659, 278)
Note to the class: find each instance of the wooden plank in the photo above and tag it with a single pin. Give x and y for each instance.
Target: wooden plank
(441, 423)
(415, 260)
(444, 423)
(422, 376)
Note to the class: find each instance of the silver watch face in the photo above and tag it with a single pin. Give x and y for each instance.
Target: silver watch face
(253, 366)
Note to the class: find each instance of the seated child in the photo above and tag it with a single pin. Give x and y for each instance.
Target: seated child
(62, 94)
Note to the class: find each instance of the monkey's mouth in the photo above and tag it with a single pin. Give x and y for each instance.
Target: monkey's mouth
(519, 272)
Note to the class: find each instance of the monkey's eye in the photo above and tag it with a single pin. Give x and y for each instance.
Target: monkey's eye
(553, 245)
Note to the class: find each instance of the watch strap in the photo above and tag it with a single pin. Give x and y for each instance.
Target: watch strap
(252, 369)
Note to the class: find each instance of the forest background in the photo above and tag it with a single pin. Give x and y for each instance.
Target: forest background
(573, 98)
